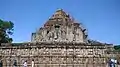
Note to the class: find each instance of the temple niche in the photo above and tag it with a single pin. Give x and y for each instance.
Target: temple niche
(60, 28)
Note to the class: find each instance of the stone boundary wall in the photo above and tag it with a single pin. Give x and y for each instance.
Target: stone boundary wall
(55, 55)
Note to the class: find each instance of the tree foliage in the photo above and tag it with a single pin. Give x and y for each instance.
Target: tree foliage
(6, 29)
(117, 47)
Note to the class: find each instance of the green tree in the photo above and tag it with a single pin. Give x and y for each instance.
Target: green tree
(6, 29)
(117, 47)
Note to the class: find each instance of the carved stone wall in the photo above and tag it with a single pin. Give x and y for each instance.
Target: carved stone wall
(54, 55)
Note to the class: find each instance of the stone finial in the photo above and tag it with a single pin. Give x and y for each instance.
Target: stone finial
(59, 9)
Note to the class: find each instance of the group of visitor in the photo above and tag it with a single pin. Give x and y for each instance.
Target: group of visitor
(15, 64)
(25, 63)
(113, 62)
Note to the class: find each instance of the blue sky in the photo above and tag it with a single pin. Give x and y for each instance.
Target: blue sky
(100, 17)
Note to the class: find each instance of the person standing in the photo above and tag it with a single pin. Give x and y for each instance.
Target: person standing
(25, 64)
(15, 63)
(111, 63)
(1, 64)
(33, 63)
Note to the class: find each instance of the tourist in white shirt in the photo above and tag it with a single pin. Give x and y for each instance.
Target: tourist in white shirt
(25, 64)
(32, 62)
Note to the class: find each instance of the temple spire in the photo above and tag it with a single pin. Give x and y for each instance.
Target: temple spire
(60, 16)
(60, 13)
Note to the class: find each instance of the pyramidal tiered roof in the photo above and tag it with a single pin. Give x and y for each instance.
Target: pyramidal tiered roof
(59, 15)
(60, 27)
(62, 18)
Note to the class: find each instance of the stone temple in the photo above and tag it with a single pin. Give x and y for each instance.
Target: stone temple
(61, 42)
